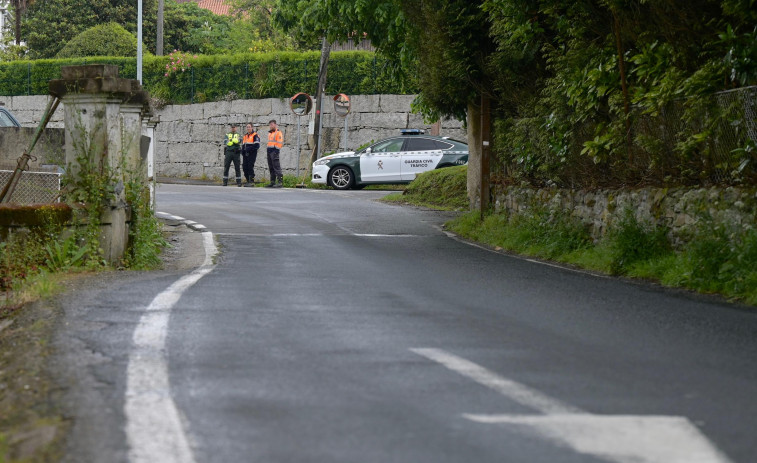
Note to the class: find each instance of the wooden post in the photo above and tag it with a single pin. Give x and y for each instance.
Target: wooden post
(320, 92)
(486, 135)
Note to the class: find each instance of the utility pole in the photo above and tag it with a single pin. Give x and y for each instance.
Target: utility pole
(139, 41)
(320, 92)
(159, 41)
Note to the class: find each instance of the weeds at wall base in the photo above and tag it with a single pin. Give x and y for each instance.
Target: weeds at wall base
(716, 259)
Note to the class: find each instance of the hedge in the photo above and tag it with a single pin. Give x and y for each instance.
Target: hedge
(215, 77)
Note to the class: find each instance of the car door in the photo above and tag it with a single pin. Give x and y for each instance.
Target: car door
(382, 162)
(420, 155)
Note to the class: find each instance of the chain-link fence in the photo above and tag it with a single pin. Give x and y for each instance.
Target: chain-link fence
(702, 141)
(33, 187)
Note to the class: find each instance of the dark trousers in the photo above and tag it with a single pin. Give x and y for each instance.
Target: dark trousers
(231, 156)
(274, 165)
(249, 156)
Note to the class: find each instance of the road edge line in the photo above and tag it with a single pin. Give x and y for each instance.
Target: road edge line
(154, 427)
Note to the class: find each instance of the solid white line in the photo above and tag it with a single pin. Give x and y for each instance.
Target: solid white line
(298, 235)
(513, 390)
(154, 428)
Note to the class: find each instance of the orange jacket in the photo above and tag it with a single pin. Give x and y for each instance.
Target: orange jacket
(275, 139)
(251, 138)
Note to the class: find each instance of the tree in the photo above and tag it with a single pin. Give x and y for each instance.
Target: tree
(48, 25)
(104, 40)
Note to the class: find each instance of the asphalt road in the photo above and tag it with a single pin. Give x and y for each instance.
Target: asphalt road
(334, 328)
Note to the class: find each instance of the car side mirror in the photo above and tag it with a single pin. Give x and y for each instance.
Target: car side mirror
(368, 150)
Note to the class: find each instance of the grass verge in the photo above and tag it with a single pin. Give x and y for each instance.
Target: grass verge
(715, 259)
(441, 189)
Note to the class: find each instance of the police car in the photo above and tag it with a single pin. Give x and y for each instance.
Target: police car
(390, 161)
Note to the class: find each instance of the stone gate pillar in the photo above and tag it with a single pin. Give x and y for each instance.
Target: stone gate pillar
(103, 121)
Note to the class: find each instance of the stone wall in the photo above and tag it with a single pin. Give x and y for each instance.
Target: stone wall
(189, 136)
(679, 209)
(13, 142)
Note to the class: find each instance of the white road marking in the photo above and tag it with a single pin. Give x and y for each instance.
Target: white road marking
(619, 438)
(513, 390)
(154, 427)
(297, 235)
(622, 439)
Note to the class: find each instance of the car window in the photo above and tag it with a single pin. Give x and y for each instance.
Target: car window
(421, 144)
(388, 146)
(5, 120)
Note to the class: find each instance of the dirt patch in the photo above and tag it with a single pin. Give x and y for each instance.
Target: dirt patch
(34, 421)
(31, 426)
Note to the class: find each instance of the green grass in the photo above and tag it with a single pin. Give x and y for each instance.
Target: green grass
(442, 189)
(715, 259)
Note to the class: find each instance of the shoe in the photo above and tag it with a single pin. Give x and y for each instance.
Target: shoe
(239, 185)
(278, 185)
(225, 183)
(271, 185)
(249, 185)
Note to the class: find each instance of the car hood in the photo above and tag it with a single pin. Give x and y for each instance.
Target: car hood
(345, 154)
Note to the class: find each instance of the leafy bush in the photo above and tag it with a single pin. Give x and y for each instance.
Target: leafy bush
(721, 257)
(109, 39)
(441, 188)
(213, 77)
(630, 241)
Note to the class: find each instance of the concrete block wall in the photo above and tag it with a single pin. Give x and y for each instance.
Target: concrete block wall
(189, 137)
(28, 110)
(49, 149)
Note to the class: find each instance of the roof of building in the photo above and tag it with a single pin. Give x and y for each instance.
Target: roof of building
(219, 7)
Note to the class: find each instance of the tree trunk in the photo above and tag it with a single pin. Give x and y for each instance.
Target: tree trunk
(623, 80)
(17, 14)
(475, 143)
(159, 41)
(320, 92)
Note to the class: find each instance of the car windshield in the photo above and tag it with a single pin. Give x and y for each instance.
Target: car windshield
(5, 120)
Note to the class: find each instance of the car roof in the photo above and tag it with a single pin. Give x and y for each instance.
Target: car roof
(10, 114)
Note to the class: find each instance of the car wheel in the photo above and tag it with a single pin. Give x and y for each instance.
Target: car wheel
(341, 178)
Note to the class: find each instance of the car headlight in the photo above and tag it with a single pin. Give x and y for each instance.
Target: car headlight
(321, 162)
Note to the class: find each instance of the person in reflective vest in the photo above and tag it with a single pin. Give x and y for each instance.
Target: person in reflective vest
(275, 143)
(231, 154)
(250, 147)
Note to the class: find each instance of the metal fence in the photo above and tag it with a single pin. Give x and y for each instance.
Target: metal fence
(668, 146)
(218, 80)
(34, 187)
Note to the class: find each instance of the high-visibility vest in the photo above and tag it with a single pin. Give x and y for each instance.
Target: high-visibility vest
(250, 138)
(232, 139)
(275, 139)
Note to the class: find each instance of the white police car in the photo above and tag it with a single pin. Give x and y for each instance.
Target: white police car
(390, 161)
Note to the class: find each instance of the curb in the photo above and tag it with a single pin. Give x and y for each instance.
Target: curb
(189, 223)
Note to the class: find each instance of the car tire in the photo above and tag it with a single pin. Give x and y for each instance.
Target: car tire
(341, 178)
